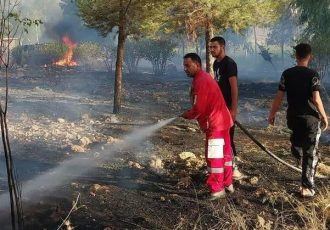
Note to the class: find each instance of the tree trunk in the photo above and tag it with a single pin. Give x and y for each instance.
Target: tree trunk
(282, 53)
(119, 60)
(255, 40)
(197, 46)
(208, 36)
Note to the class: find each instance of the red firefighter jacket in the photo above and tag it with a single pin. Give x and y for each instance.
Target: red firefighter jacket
(209, 106)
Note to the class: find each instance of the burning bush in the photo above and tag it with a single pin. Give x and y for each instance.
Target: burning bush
(86, 54)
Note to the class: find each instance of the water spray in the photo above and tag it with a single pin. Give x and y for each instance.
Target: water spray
(79, 165)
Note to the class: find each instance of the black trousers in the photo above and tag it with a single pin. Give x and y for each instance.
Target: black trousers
(304, 144)
(231, 133)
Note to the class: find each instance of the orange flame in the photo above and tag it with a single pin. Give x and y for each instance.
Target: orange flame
(67, 59)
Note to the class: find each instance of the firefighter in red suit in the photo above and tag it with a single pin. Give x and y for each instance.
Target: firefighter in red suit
(210, 110)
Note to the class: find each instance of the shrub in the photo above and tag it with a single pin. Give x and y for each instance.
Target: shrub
(158, 52)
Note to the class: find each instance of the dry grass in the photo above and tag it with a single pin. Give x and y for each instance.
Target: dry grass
(292, 213)
(323, 169)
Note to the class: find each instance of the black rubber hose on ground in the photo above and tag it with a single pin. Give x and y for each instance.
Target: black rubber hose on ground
(272, 154)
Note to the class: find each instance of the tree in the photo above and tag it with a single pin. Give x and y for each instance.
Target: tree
(129, 17)
(213, 15)
(133, 55)
(315, 20)
(11, 26)
(158, 52)
(284, 30)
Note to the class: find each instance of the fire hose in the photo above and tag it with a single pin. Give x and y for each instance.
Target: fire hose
(272, 154)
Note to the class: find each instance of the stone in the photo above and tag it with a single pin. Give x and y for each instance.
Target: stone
(156, 163)
(78, 149)
(134, 165)
(254, 180)
(186, 155)
(61, 120)
(84, 141)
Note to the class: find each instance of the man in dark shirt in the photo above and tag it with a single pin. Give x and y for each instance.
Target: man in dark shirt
(225, 73)
(305, 114)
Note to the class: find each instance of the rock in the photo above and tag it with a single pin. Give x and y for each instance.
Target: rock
(92, 193)
(61, 120)
(248, 107)
(254, 180)
(175, 127)
(56, 132)
(191, 129)
(186, 155)
(85, 116)
(78, 149)
(110, 140)
(96, 188)
(134, 165)
(162, 198)
(245, 202)
(263, 224)
(84, 141)
(75, 185)
(69, 136)
(34, 128)
(156, 163)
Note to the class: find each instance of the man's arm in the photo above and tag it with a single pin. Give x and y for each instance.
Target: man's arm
(319, 106)
(234, 96)
(275, 106)
(198, 102)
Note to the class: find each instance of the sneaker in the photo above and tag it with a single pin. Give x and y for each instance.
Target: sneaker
(230, 189)
(237, 175)
(217, 195)
(307, 192)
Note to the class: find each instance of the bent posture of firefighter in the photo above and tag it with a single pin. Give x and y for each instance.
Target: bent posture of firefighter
(305, 114)
(210, 110)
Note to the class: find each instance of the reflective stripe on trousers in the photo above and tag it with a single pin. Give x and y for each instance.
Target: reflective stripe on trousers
(215, 170)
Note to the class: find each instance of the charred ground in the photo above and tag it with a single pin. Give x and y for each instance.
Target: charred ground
(55, 114)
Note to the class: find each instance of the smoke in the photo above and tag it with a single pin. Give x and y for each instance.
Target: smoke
(78, 166)
(59, 17)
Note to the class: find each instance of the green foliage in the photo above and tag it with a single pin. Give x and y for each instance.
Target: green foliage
(316, 23)
(284, 30)
(133, 54)
(158, 52)
(142, 17)
(88, 54)
(230, 14)
(38, 54)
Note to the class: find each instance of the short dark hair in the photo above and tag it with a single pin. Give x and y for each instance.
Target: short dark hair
(194, 57)
(303, 50)
(219, 39)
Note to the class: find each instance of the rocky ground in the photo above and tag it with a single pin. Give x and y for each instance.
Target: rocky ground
(56, 115)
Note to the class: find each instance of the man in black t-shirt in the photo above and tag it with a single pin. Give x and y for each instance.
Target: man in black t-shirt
(225, 73)
(305, 114)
